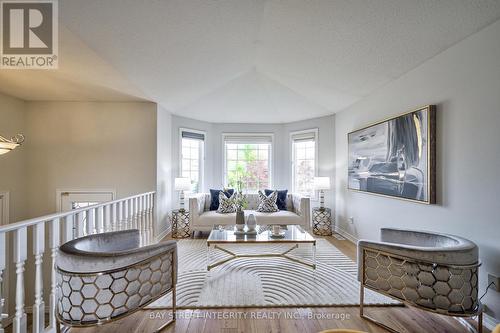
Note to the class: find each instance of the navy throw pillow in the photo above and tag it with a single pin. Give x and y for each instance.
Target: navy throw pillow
(214, 194)
(281, 202)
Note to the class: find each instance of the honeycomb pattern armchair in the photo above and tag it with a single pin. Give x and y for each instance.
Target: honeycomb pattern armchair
(431, 271)
(104, 277)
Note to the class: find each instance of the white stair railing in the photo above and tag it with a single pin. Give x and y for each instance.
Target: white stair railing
(135, 212)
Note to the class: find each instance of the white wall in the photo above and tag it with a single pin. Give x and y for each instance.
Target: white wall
(214, 171)
(326, 151)
(163, 170)
(13, 165)
(89, 145)
(464, 82)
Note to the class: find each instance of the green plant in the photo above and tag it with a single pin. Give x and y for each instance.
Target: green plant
(240, 201)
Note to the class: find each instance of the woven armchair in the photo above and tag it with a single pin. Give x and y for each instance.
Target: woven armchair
(105, 277)
(431, 271)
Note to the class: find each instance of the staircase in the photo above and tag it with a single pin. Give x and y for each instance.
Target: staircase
(36, 241)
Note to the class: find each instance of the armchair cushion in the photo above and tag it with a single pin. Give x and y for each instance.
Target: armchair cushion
(107, 251)
(427, 246)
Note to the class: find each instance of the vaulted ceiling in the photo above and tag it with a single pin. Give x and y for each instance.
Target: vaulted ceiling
(245, 60)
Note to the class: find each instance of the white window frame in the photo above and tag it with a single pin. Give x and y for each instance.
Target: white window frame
(201, 171)
(314, 133)
(249, 135)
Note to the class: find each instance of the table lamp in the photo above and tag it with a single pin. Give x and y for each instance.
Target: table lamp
(321, 184)
(182, 184)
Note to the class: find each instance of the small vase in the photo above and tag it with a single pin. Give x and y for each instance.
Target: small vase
(251, 222)
(240, 219)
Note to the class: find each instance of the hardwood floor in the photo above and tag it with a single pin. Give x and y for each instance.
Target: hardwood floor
(289, 320)
(282, 320)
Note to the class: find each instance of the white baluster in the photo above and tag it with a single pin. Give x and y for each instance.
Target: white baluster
(143, 213)
(120, 215)
(39, 305)
(135, 215)
(138, 212)
(152, 216)
(132, 214)
(80, 230)
(20, 254)
(2, 268)
(54, 241)
(107, 218)
(99, 221)
(68, 229)
(127, 214)
(140, 219)
(114, 217)
(146, 217)
(90, 221)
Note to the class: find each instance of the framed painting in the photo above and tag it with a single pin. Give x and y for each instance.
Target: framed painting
(396, 157)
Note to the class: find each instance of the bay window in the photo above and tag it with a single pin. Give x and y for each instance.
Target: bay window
(192, 157)
(304, 161)
(248, 161)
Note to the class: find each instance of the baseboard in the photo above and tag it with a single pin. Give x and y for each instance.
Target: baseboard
(490, 322)
(345, 234)
(163, 234)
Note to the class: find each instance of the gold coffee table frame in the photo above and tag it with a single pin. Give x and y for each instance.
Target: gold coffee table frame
(294, 234)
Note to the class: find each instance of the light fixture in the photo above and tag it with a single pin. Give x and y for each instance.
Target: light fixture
(321, 184)
(7, 145)
(182, 184)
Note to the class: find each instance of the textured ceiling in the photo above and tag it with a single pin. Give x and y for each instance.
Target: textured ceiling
(248, 60)
(82, 76)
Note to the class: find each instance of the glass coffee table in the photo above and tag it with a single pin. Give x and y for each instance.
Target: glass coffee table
(294, 235)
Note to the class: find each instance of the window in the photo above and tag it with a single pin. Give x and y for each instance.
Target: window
(74, 199)
(247, 161)
(304, 161)
(192, 144)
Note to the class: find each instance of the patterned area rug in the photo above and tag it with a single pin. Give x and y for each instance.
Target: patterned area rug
(266, 282)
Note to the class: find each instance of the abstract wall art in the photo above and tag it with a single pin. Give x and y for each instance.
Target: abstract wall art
(396, 157)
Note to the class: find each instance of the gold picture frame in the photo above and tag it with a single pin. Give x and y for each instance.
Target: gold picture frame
(408, 169)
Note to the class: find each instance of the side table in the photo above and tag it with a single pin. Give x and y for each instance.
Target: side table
(322, 221)
(180, 224)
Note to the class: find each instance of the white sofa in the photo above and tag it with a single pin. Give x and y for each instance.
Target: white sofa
(203, 219)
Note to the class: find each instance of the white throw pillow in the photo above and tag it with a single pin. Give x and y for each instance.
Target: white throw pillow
(226, 205)
(268, 204)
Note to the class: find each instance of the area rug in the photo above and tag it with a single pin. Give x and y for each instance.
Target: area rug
(266, 281)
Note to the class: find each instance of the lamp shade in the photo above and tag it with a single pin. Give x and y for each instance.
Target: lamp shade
(321, 183)
(182, 184)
